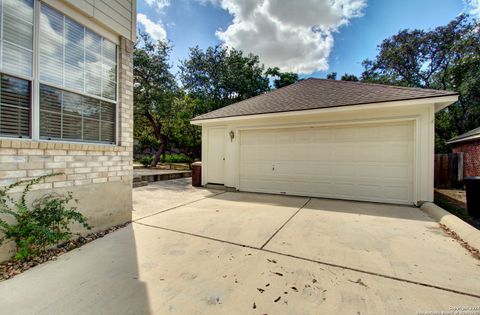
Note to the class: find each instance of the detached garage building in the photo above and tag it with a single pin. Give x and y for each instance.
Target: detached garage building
(326, 138)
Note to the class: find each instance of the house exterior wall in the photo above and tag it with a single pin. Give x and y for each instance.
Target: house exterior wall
(471, 156)
(98, 175)
(421, 114)
(117, 16)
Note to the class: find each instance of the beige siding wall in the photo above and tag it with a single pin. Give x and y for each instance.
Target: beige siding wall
(118, 16)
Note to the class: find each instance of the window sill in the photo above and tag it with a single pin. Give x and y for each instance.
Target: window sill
(58, 145)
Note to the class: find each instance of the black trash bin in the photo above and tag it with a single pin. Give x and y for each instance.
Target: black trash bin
(472, 187)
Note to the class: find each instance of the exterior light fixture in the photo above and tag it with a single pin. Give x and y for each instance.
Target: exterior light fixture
(232, 135)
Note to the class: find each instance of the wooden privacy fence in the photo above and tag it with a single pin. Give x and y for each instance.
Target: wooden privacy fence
(449, 170)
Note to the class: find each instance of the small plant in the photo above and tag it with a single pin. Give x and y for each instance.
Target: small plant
(146, 160)
(43, 224)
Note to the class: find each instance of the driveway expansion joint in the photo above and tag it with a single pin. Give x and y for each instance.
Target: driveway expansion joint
(285, 223)
(178, 206)
(375, 274)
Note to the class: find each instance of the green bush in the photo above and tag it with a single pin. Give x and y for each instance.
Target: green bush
(148, 141)
(146, 160)
(45, 223)
(176, 158)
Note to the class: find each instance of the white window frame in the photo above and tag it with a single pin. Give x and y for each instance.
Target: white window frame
(35, 87)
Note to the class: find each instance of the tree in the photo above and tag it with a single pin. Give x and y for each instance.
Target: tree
(184, 135)
(281, 79)
(349, 77)
(219, 76)
(447, 58)
(155, 89)
(332, 76)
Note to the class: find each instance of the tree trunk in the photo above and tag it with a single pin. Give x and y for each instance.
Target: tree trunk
(160, 151)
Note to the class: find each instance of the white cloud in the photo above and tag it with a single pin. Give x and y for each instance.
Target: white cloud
(473, 7)
(293, 35)
(160, 5)
(155, 30)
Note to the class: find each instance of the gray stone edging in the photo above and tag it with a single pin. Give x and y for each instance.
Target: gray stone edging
(464, 230)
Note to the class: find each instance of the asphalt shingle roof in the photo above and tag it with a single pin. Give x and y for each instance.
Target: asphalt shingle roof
(320, 93)
(465, 136)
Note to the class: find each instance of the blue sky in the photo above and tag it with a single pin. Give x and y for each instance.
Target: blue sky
(312, 37)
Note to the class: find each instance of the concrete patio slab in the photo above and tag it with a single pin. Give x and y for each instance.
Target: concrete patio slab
(398, 241)
(145, 270)
(159, 196)
(244, 218)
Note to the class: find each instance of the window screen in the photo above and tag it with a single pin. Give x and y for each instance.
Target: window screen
(73, 57)
(16, 37)
(14, 107)
(70, 116)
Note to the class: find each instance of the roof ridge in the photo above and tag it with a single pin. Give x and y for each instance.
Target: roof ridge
(383, 85)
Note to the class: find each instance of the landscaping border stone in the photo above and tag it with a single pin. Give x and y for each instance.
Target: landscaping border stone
(466, 234)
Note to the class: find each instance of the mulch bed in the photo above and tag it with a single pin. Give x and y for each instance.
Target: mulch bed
(12, 267)
(475, 252)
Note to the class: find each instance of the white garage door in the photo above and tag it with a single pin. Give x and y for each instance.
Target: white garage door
(371, 162)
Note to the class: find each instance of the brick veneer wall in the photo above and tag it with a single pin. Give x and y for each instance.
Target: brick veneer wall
(471, 157)
(81, 164)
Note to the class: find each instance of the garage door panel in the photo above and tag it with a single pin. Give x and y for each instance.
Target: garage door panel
(256, 169)
(342, 170)
(371, 162)
(398, 132)
(398, 152)
(342, 134)
(397, 193)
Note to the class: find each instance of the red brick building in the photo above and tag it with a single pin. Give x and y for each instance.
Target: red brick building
(469, 144)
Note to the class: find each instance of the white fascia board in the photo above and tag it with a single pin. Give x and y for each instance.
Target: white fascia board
(440, 102)
(474, 137)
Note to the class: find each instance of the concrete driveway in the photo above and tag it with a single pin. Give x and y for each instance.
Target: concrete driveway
(211, 252)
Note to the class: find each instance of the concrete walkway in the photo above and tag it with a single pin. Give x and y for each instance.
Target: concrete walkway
(241, 253)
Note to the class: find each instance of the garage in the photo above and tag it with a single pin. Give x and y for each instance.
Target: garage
(326, 138)
(359, 162)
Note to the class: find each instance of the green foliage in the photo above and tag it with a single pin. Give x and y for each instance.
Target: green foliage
(146, 160)
(155, 89)
(44, 223)
(187, 137)
(176, 158)
(147, 141)
(332, 76)
(349, 77)
(447, 58)
(281, 79)
(219, 76)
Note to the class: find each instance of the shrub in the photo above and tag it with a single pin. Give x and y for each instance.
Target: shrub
(148, 141)
(176, 158)
(146, 160)
(43, 224)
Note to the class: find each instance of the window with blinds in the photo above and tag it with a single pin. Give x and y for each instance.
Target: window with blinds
(70, 116)
(14, 107)
(77, 76)
(75, 59)
(16, 59)
(16, 37)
